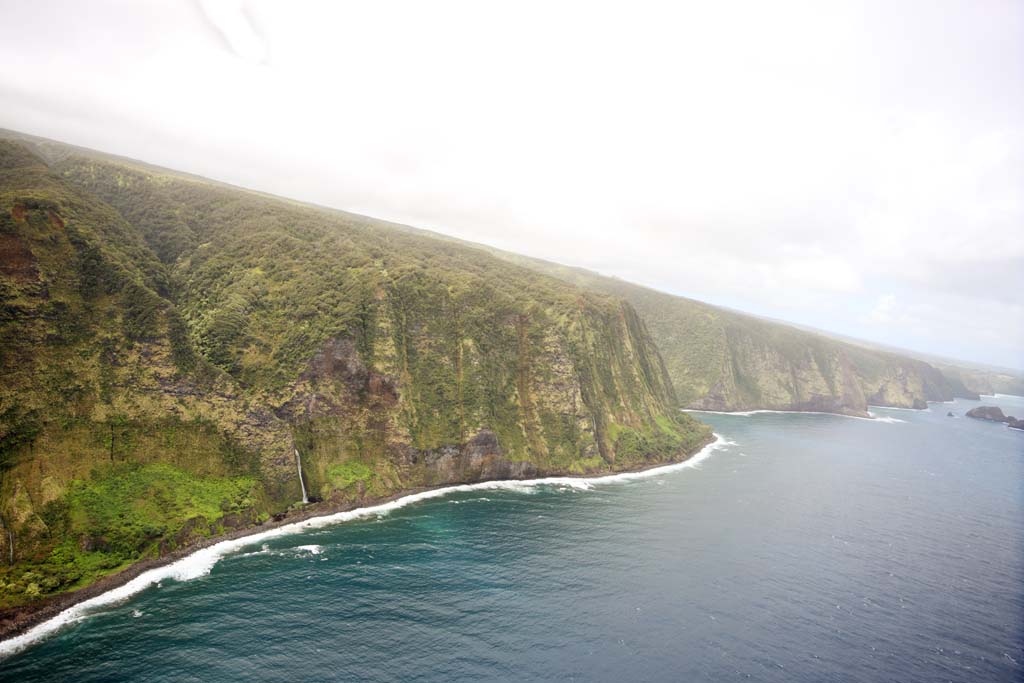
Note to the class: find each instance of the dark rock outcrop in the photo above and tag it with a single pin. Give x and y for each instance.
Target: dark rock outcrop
(991, 413)
(995, 414)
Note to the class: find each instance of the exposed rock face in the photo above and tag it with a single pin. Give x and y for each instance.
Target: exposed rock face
(758, 373)
(723, 360)
(992, 413)
(480, 459)
(978, 382)
(16, 260)
(995, 414)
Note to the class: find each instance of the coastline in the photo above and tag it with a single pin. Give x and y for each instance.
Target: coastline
(764, 411)
(22, 626)
(916, 410)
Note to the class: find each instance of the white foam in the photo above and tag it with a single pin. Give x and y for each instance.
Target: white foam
(916, 410)
(311, 549)
(202, 561)
(743, 413)
(748, 413)
(886, 419)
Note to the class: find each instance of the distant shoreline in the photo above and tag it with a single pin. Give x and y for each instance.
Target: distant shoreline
(765, 411)
(22, 626)
(868, 416)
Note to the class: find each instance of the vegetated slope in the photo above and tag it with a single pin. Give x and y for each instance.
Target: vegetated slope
(980, 381)
(967, 379)
(167, 344)
(723, 360)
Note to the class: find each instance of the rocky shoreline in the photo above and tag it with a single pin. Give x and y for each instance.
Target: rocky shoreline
(15, 621)
(995, 414)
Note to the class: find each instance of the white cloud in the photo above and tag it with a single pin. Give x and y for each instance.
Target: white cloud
(228, 16)
(788, 158)
(882, 313)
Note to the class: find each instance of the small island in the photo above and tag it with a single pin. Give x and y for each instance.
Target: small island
(995, 414)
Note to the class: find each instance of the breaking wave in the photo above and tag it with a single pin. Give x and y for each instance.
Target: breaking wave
(916, 410)
(884, 418)
(747, 413)
(202, 561)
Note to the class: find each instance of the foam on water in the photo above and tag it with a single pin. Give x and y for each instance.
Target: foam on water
(202, 561)
(894, 408)
(749, 413)
(886, 419)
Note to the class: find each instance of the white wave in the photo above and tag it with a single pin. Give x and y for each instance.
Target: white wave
(741, 413)
(762, 411)
(748, 413)
(886, 419)
(916, 410)
(202, 561)
(1006, 396)
(262, 551)
(311, 549)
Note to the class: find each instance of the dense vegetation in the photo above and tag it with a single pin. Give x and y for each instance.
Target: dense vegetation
(167, 344)
(723, 360)
(983, 381)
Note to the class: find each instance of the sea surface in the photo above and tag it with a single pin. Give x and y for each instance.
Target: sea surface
(804, 548)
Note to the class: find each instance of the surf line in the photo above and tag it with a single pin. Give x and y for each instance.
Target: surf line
(202, 561)
(751, 413)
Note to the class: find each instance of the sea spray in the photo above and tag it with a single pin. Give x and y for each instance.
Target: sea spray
(202, 561)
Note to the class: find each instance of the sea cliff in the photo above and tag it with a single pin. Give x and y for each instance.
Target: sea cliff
(172, 346)
(720, 359)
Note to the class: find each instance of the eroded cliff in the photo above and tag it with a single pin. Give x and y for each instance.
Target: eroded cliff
(169, 343)
(719, 359)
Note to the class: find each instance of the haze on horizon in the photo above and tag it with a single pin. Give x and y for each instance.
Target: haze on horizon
(850, 166)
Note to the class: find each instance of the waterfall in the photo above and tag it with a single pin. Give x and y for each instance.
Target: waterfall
(298, 463)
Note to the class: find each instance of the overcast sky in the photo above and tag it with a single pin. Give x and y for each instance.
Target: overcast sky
(852, 166)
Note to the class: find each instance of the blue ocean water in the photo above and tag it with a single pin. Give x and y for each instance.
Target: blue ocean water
(810, 548)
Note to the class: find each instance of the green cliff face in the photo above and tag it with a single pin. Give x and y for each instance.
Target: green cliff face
(723, 360)
(974, 382)
(168, 342)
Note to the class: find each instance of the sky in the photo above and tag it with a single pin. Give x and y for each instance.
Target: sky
(852, 166)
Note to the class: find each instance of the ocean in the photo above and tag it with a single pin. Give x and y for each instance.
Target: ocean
(802, 547)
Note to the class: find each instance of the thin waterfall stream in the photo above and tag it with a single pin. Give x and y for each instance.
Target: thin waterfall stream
(302, 483)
